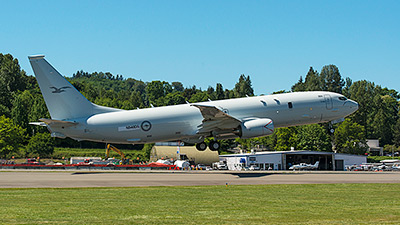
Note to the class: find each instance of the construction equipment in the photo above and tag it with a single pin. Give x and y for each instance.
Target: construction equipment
(110, 147)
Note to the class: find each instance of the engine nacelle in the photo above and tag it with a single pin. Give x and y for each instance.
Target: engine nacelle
(256, 128)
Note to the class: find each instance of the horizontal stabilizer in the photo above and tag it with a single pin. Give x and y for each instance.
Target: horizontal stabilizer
(38, 124)
(51, 122)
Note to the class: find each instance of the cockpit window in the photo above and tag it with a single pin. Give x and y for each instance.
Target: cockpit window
(342, 98)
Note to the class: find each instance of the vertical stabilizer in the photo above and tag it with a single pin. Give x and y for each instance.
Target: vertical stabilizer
(63, 101)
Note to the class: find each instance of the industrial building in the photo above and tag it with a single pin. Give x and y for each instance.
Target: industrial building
(284, 159)
(189, 153)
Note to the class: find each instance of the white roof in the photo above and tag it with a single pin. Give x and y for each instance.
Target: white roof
(279, 152)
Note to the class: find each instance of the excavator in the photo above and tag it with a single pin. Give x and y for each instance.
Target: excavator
(123, 158)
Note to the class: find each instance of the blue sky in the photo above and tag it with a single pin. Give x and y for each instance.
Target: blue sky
(207, 42)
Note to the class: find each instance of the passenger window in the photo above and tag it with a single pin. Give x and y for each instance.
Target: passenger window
(290, 105)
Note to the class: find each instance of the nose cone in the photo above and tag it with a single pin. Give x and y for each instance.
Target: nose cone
(351, 105)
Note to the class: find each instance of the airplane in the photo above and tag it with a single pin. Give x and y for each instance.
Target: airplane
(396, 166)
(305, 166)
(73, 116)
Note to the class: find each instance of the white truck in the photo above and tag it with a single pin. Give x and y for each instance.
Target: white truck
(221, 165)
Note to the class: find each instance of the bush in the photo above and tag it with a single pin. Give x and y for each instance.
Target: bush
(41, 144)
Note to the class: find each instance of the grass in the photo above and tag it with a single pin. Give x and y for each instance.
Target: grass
(259, 204)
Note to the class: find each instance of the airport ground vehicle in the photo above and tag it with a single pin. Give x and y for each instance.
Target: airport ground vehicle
(182, 164)
(254, 167)
(33, 161)
(201, 167)
(219, 165)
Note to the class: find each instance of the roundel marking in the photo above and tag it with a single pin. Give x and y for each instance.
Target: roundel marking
(146, 125)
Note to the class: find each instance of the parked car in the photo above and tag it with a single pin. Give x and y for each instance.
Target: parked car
(201, 167)
(254, 167)
(219, 166)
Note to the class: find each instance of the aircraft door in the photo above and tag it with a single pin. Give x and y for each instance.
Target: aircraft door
(328, 102)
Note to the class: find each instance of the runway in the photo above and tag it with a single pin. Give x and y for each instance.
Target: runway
(34, 179)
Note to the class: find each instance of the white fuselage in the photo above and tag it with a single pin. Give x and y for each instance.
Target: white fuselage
(180, 122)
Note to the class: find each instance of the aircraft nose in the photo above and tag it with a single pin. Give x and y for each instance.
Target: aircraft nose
(352, 105)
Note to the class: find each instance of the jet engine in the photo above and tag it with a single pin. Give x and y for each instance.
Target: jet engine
(256, 128)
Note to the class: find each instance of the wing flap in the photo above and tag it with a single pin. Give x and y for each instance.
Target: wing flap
(215, 119)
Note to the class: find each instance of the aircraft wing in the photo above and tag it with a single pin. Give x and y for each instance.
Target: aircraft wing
(215, 120)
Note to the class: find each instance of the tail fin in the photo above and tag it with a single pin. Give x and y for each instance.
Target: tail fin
(63, 101)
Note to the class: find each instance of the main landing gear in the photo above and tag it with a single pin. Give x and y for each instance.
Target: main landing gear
(213, 146)
(201, 146)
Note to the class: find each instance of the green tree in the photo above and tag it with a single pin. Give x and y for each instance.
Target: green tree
(312, 82)
(383, 120)
(331, 79)
(346, 88)
(328, 80)
(243, 87)
(41, 144)
(219, 92)
(245, 144)
(177, 86)
(286, 138)
(12, 80)
(11, 75)
(300, 85)
(174, 98)
(266, 143)
(157, 89)
(363, 92)
(4, 111)
(396, 133)
(314, 137)
(349, 137)
(136, 100)
(38, 109)
(188, 92)
(21, 109)
(146, 151)
(199, 97)
(11, 137)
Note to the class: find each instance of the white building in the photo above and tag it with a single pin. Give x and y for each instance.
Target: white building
(373, 147)
(284, 159)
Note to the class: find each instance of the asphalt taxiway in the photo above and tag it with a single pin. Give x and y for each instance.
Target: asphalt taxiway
(50, 179)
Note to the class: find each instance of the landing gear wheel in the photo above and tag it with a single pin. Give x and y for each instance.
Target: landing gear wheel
(201, 146)
(214, 145)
